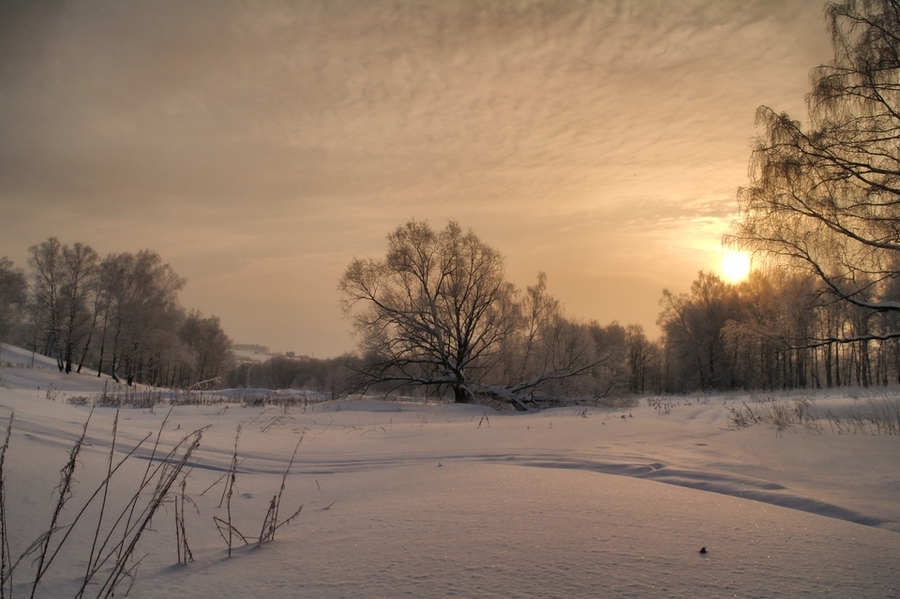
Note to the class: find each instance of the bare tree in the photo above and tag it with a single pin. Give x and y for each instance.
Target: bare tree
(46, 276)
(141, 327)
(79, 286)
(119, 315)
(550, 355)
(640, 358)
(434, 311)
(768, 338)
(13, 296)
(210, 348)
(827, 198)
(692, 325)
(62, 282)
(438, 313)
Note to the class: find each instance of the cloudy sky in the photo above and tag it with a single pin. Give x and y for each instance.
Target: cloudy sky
(259, 146)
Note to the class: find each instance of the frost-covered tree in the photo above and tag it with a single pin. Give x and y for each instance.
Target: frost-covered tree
(549, 355)
(62, 284)
(826, 197)
(13, 296)
(119, 315)
(437, 312)
(46, 280)
(209, 347)
(641, 359)
(78, 290)
(692, 324)
(434, 312)
(141, 327)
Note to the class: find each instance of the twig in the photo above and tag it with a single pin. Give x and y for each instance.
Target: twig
(65, 492)
(4, 532)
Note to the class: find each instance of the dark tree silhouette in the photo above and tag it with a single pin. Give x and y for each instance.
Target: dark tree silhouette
(434, 310)
(437, 312)
(13, 295)
(827, 197)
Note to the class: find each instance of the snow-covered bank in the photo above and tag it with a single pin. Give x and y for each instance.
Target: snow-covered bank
(405, 500)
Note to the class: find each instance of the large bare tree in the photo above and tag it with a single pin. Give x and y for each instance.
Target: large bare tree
(827, 197)
(434, 311)
(437, 312)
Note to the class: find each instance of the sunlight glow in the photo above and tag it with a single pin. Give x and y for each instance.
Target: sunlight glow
(734, 266)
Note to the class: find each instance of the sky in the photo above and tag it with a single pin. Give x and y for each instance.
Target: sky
(259, 146)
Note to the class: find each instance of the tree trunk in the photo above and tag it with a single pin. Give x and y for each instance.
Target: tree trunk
(461, 394)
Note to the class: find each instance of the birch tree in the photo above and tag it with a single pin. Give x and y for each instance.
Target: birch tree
(826, 198)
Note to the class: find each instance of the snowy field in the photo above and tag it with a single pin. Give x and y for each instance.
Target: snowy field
(412, 500)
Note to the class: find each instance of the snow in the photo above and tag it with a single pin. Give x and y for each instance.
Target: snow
(405, 499)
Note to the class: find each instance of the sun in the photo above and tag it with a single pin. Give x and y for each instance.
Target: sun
(734, 266)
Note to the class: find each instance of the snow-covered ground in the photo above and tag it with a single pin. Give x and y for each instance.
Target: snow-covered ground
(413, 500)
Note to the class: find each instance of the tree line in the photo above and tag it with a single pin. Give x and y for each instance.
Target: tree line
(775, 330)
(118, 315)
